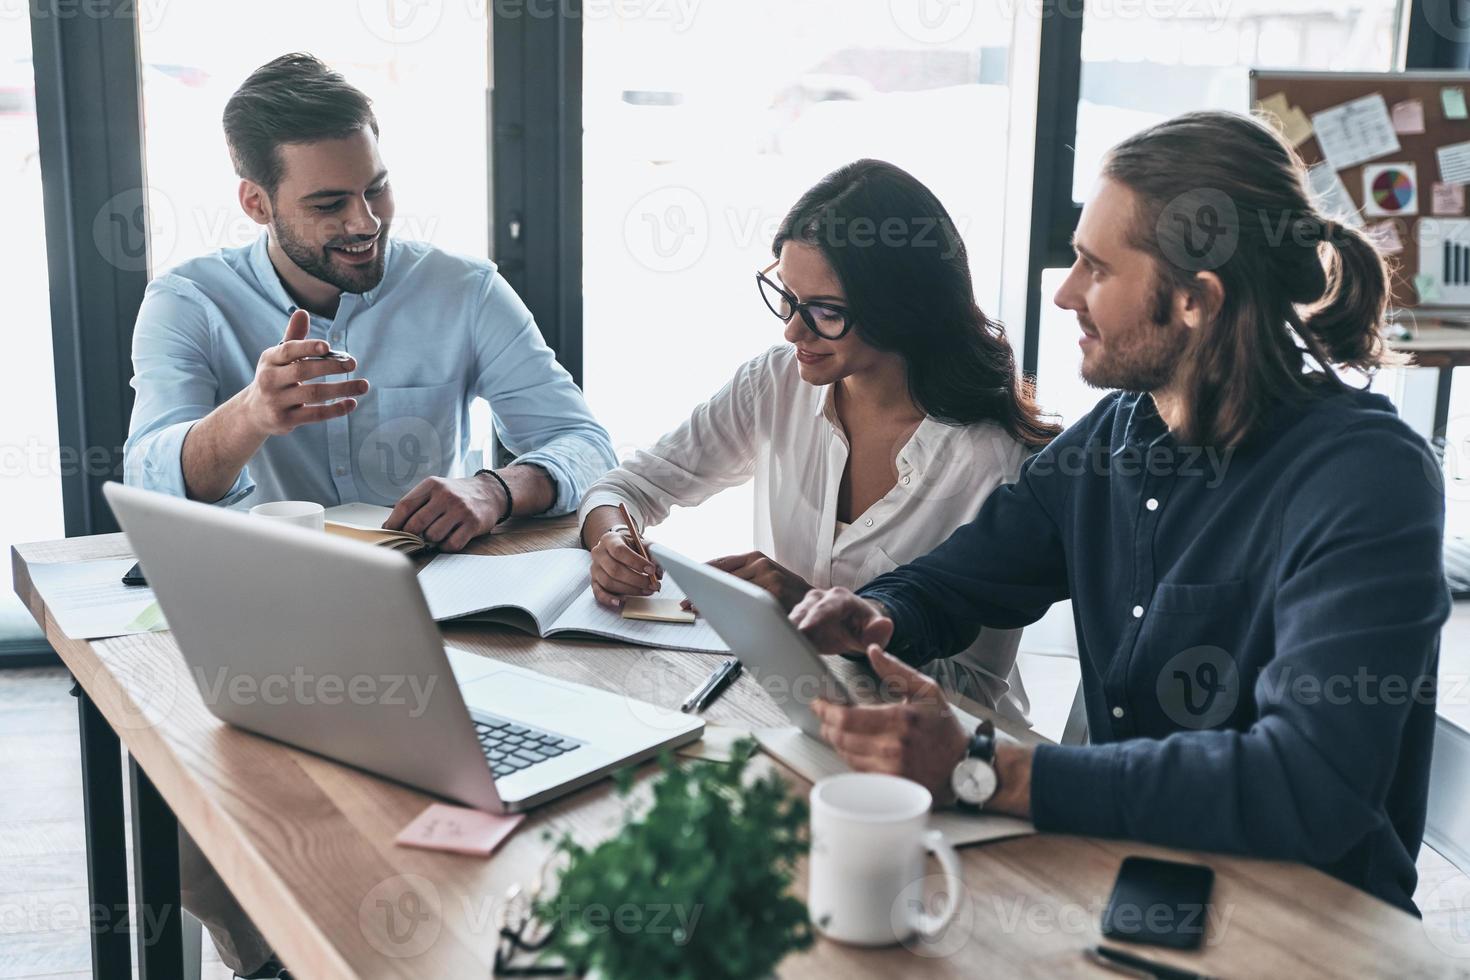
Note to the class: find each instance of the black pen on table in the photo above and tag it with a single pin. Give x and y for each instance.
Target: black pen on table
(1137, 966)
(719, 679)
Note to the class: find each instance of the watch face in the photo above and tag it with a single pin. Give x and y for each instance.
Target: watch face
(973, 781)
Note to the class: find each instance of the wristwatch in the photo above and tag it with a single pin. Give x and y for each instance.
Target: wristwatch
(974, 779)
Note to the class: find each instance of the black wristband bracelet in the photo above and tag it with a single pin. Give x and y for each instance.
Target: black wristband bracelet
(510, 500)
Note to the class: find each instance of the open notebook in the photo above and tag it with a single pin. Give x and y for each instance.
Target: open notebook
(364, 522)
(549, 593)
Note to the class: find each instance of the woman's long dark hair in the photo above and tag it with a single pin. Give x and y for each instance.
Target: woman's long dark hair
(906, 274)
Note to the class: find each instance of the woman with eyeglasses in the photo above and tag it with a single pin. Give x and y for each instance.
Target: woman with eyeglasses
(889, 415)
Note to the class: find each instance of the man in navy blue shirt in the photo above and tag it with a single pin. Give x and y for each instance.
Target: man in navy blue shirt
(1251, 546)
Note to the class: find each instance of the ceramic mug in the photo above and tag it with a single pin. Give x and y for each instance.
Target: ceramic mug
(870, 837)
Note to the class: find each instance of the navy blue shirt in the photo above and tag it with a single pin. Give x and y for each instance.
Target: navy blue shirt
(1258, 629)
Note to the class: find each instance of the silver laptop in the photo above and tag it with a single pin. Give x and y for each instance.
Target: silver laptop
(327, 644)
(759, 633)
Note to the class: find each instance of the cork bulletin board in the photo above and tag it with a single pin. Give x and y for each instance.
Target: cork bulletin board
(1412, 199)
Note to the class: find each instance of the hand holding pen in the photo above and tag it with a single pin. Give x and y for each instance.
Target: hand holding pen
(621, 565)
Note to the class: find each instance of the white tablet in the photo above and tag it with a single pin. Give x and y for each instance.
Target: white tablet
(753, 624)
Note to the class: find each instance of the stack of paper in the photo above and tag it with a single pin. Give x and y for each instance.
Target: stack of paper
(88, 600)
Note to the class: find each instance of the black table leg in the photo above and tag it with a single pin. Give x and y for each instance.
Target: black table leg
(158, 915)
(107, 869)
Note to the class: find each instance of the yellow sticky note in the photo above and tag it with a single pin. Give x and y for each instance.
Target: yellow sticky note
(1453, 100)
(1276, 105)
(1295, 126)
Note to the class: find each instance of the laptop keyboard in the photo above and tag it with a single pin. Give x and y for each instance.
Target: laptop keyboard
(510, 747)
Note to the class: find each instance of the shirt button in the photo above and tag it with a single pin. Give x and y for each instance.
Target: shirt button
(1151, 503)
(336, 338)
(341, 471)
(905, 481)
(1117, 712)
(1137, 612)
(868, 522)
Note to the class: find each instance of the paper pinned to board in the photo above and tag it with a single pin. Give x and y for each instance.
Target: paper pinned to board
(1454, 163)
(1452, 98)
(1331, 196)
(1390, 189)
(1296, 127)
(814, 760)
(1386, 237)
(1408, 117)
(1427, 287)
(1448, 199)
(1289, 120)
(1355, 132)
(1277, 105)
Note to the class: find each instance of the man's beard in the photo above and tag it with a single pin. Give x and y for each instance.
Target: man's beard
(1147, 365)
(1158, 346)
(317, 261)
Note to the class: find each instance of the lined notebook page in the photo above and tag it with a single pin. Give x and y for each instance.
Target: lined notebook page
(586, 616)
(540, 582)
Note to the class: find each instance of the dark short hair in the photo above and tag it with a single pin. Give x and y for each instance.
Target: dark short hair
(292, 99)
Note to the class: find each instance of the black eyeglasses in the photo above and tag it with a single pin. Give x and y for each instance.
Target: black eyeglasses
(823, 319)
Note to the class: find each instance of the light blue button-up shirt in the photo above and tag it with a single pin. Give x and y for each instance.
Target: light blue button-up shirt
(439, 330)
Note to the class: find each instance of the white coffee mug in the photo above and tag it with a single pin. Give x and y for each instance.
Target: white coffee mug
(302, 513)
(870, 833)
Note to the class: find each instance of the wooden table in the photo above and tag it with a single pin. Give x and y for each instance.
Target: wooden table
(307, 844)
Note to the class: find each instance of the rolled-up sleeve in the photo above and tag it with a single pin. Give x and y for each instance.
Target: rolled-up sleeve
(540, 414)
(710, 451)
(175, 386)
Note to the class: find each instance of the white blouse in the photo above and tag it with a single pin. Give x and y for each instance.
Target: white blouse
(768, 424)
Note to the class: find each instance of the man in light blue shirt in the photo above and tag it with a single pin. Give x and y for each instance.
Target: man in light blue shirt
(236, 403)
(242, 400)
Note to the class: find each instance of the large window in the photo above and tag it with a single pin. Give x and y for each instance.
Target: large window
(31, 462)
(424, 65)
(703, 124)
(1142, 63)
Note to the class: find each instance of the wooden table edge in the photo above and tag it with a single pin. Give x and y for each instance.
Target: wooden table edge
(320, 957)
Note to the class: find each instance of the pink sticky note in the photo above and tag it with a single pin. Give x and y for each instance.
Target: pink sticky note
(458, 829)
(1448, 198)
(1408, 116)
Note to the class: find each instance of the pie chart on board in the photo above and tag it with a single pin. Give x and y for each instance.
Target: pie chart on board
(1390, 189)
(1393, 190)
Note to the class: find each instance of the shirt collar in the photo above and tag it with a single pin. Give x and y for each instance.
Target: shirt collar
(270, 281)
(924, 445)
(1144, 427)
(826, 405)
(265, 274)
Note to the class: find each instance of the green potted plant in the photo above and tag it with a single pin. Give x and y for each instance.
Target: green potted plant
(696, 886)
